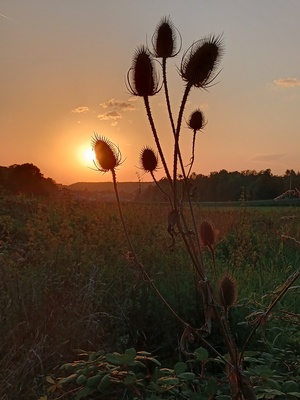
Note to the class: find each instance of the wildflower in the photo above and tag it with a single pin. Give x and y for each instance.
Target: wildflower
(197, 120)
(108, 156)
(142, 78)
(164, 39)
(201, 60)
(227, 291)
(148, 159)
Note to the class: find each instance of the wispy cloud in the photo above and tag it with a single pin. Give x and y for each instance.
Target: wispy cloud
(286, 82)
(119, 105)
(4, 16)
(80, 110)
(267, 157)
(110, 116)
(117, 108)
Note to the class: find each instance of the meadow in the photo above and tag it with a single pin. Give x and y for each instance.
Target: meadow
(68, 282)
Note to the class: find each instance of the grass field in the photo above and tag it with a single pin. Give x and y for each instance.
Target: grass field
(67, 282)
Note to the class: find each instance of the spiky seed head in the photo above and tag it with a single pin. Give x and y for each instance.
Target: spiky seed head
(200, 61)
(148, 159)
(207, 233)
(164, 39)
(107, 154)
(227, 291)
(197, 120)
(142, 78)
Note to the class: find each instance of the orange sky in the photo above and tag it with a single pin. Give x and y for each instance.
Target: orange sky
(63, 69)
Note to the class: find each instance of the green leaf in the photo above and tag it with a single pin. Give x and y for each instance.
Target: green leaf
(93, 381)
(104, 383)
(274, 392)
(189, 376)
(68, 379)
(131, 353)
(118, 359)
(168, 380)
(223, 397)
(49, 379)
(154, 360)
(81, 379)
(273, 384)
(130, 378)
(290, 386)
(212, 387)
(84, 393)
(295, 394)
(180, 367)
(263, 371)
(201, 354)
(167, 371)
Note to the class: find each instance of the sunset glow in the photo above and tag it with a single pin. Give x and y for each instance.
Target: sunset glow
(60, 85)
(88, 155)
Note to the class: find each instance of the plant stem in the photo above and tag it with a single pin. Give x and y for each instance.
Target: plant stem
(135, 259)
(147, 106)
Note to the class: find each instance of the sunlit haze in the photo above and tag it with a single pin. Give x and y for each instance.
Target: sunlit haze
(63, 71)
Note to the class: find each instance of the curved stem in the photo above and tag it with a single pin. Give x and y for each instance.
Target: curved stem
(177, 133)
(263, 317)
(193, 154)
(164, 69)
(160, 188)
(147, 105)
(135, 259)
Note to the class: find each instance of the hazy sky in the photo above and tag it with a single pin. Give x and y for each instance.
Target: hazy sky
(62, 75)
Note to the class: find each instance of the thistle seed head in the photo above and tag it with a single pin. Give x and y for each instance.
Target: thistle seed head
(207, 234)
(164, 39)
(227, 291)
(107, 154)
(200, 61)
(197, 120)
(142, 78)
(148, 159)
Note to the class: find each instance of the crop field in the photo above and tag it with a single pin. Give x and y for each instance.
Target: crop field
(68, 282)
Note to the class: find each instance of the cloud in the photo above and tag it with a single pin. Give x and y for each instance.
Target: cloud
(109, 116)
(80, 110)
(267, 157)
(119, 105)
(287, 82)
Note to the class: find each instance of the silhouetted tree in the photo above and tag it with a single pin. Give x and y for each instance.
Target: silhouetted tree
(231, 186)
(26, 179)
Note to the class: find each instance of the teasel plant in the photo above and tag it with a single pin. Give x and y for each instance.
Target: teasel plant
(198, 70)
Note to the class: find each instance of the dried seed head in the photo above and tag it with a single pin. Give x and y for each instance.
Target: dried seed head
(207, 234)
(164, 39)
(107, 154)
(142, 78)
(148, 159)
(197, 120)
(201, 60)
(227, 291)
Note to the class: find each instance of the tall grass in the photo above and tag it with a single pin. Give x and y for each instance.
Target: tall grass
(67, 280)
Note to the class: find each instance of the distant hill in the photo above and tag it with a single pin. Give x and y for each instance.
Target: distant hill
(125, 187)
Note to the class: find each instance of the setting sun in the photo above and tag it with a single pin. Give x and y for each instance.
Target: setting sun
(88, 155)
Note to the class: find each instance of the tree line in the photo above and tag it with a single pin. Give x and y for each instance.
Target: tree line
(26, 179)
(231, 186)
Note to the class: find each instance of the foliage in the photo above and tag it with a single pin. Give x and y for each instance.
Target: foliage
(232, 186)
(67, 282)
(26, 179)
(133, 375)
